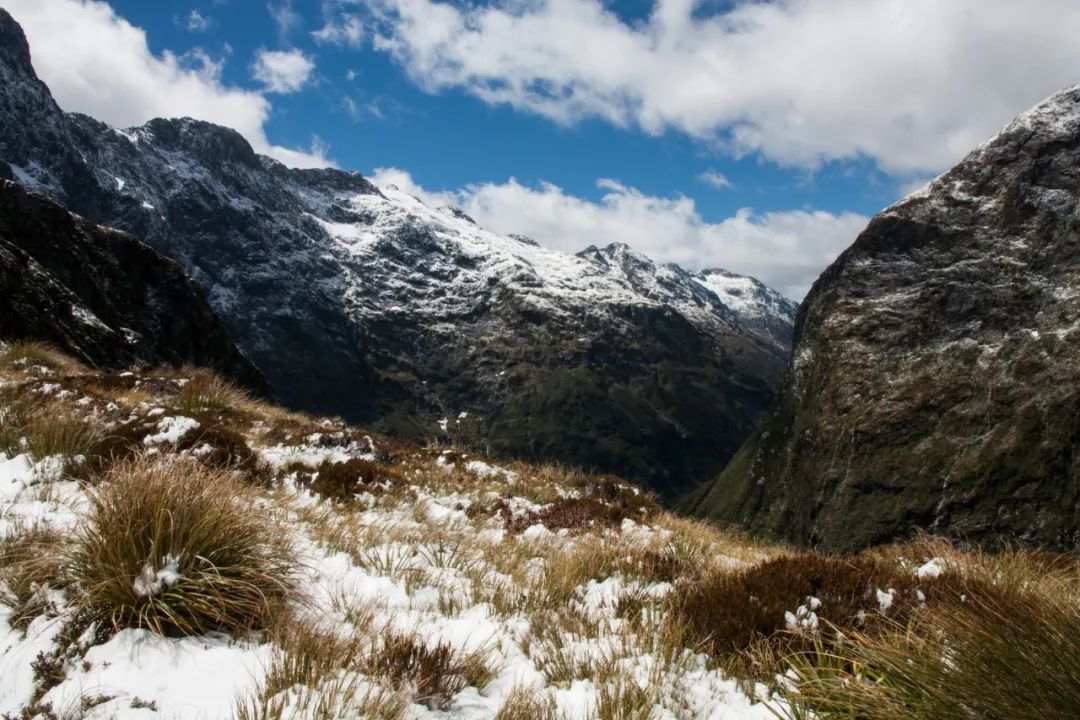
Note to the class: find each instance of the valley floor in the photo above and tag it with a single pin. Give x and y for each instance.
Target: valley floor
(170, 548)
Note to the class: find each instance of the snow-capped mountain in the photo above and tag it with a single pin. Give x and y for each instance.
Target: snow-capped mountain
(365, 302)
(934, 383)
(709, 296)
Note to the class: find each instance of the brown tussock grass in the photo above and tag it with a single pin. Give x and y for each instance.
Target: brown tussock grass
(230, 568)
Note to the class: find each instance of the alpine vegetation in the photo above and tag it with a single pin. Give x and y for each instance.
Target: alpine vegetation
(229, 558)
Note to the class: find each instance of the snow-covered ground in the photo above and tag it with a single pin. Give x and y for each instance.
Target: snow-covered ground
(493, 563)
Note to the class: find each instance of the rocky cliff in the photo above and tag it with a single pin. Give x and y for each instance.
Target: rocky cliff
(935, 379)
(103, 296)
(366, 303)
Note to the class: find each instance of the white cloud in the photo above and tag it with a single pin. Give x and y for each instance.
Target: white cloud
(97, 63)
(913, 84)
(786, 250)
(285, 18)
(716, 179)
(347, 31)
(282, 71)
(197, 22)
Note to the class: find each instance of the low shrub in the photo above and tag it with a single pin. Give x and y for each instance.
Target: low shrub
(342, 481)
(730, 612)
(179, 549)
(573, 513)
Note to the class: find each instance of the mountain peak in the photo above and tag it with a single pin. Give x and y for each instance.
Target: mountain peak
(14, 49)
(203, 139)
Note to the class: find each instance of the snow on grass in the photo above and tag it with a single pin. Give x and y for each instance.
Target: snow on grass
(428, 559)
(171, 430)
(193, 677)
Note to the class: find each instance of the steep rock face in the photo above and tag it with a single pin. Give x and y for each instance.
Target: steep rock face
(365, 302)
(935, 380)
(101, 295)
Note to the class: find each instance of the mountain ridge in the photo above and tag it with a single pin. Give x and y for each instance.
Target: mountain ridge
(103, 296)
(366, 303)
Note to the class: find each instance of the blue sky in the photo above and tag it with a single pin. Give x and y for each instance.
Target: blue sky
(450, 139)
(757, 136)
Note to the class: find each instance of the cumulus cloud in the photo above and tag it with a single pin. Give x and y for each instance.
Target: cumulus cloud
(282, 71)
(346, 31)
(912, 84)
(97, 63)
(786, 250)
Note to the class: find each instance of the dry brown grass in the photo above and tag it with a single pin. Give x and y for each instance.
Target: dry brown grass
(31, 564)
(178, 548)
(22, 357)
(528, 704)
(436, 672)
(986, 652)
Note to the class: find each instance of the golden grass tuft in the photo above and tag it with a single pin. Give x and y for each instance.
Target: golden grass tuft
(179, 549)
(206, 391)
(524, 703)
(43, 426)
(437, 672)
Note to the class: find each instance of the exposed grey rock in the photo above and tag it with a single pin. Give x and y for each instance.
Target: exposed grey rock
(935, 380)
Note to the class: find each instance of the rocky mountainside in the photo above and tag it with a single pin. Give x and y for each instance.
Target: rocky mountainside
(103, 296)
(364, 302)
(935, 380)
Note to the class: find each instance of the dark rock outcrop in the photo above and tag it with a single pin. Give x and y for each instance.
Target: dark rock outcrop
(103, 296)
(935, 379)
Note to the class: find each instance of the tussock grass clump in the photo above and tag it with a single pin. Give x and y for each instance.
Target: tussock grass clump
(983, 653)
(732, 612)
(528, 704)
(206, 391)
(179, 549)
(43, 426)
(31, 564)
(313, 673)
(22, 356)
(437, 672)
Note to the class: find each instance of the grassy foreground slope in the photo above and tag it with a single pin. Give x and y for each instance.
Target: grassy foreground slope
(170, 547)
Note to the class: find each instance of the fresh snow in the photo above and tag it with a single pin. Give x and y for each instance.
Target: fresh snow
(421, 555)
(171, 430)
